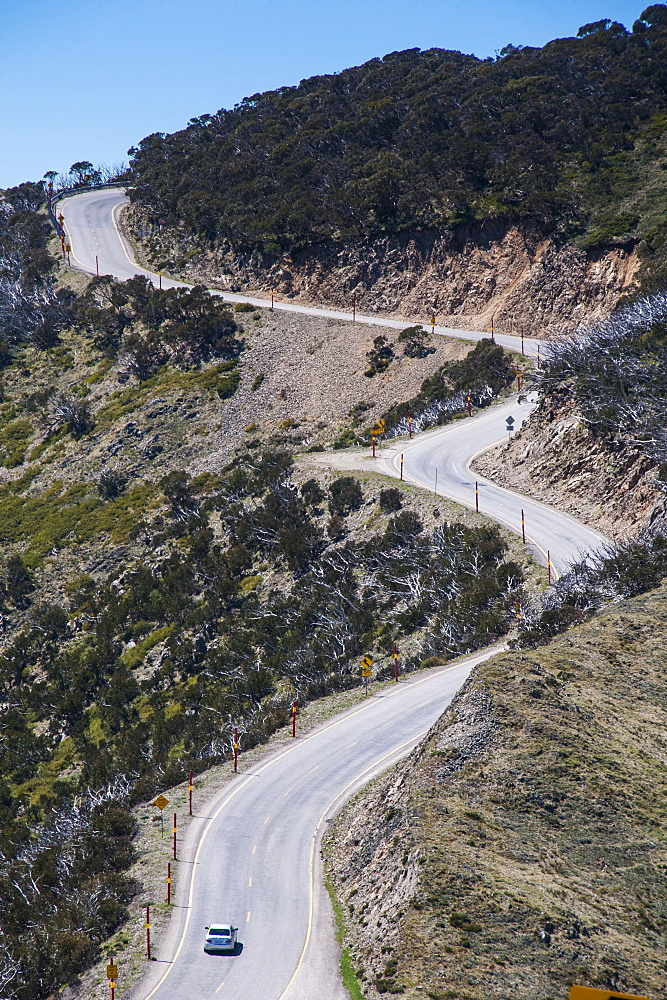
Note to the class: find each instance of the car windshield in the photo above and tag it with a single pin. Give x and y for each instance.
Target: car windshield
(219, 931)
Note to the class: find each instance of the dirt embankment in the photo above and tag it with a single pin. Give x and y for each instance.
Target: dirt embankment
(556, 459)
(523, 846)
(509, 275)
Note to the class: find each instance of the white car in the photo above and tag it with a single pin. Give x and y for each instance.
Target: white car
(220, 939)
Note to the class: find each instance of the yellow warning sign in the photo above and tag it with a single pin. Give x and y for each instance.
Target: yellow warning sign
(161, 802)
(588, 993)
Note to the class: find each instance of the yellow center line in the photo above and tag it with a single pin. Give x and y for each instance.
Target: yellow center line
(220, 987)
(285, 794)
(247, 919)
(351, 745)
(254, 848)
(267, 820)
(250, 880)
(234, 791)
(313, 769)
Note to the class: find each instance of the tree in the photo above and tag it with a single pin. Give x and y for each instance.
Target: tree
(81, 170)
(416, 341)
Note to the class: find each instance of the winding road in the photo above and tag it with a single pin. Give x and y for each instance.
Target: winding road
(253, 857)
(91, 222)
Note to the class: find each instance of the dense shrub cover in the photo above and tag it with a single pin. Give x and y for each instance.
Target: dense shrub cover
(558, 137)
(481, 375)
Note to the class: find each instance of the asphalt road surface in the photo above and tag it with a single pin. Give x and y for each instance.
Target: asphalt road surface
(439, 460)
(253, 859)
(91, 222)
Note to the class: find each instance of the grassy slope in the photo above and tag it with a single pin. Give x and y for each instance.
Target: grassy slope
(524, 848)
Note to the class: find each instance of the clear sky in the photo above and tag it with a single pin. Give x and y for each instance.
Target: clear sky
(87, 79)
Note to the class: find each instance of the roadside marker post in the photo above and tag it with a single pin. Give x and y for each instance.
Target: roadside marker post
(112, 975)
(293, 718)
(522, 350)
(354, 307)
(160, 277)
(469, 406)
(148, 933)
(97, 266)
(523, 527)
(190, 794)
(476, 496)
(396, 663)
(236, 749)
(168, 883)
(410, 423)
(549, 564)
(401, 467)
(271, 301)
(175, 837)
(493, 331)
(432, 323)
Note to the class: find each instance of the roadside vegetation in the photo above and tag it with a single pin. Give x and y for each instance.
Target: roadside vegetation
(146, 611)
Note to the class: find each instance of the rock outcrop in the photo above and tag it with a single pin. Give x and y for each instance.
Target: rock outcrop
(556, 459)
(512, 277)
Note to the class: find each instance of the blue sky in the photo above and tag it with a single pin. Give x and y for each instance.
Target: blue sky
(87, 79)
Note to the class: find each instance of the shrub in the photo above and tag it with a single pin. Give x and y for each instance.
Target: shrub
(346, 495)
(415, 341)
(379, 357)
(74, 413)
(390, 499)
(312, 492)
(110, 483)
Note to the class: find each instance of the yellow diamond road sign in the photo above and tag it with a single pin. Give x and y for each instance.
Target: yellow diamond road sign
(161, 802)
(367, 662)
(587, 993)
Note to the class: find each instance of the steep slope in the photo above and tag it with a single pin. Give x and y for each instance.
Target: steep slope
(523, 847)
(597, 444)
(167, 572)
(557, 459)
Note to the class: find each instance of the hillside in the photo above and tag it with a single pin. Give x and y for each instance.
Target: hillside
(529, 186)
(523, 846)
(171, 568)
(596, 444)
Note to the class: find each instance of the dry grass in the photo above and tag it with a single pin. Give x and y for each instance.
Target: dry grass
(527, 843)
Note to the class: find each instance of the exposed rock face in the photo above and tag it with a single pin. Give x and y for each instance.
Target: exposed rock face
(556, 459)
(514, 277)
